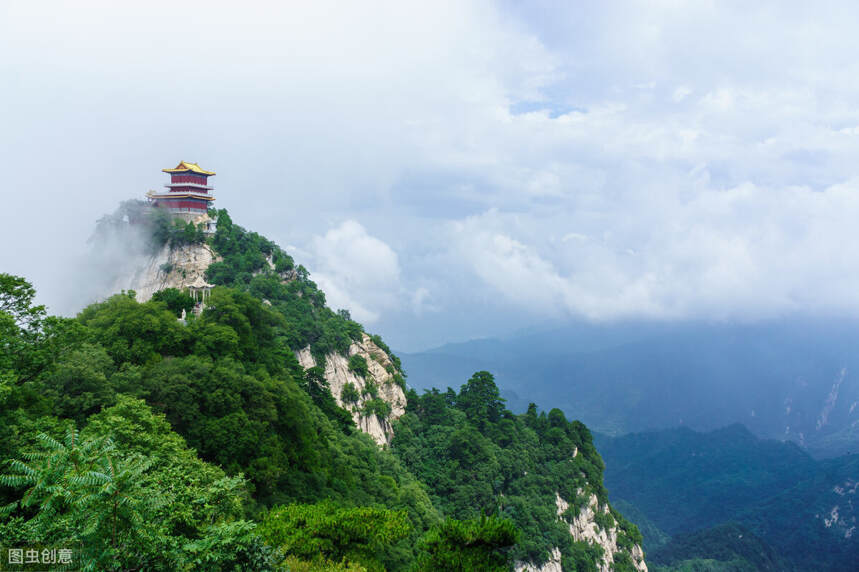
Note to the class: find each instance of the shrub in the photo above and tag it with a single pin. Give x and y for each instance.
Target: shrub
(604, 520)
(330, 532)
(400, 381)
(370, 389)
(176, 300)
(378, 407)
(359, 365)
(349, 394)
(475, 544)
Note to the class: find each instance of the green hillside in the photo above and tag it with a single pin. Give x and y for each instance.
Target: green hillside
(141, 441)
(689, 483)
(477, 457)
(723, 548)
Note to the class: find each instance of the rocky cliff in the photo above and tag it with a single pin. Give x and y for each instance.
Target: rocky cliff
(171, 267)
(586, 526)
(379, 381)
(185, 266)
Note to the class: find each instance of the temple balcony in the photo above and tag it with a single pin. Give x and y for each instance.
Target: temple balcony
(178, 194)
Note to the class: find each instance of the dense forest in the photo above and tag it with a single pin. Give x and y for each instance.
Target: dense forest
(479, 457)
(738, 501)
(140, 440)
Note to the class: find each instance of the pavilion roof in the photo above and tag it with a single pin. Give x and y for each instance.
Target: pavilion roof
(200, 283)
(185, 167)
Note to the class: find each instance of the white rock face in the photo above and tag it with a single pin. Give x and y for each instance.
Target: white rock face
(338, 374)
(584, 528)
(187, 265)
(553, 564)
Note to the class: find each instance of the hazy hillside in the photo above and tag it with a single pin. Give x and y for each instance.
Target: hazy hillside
(796, 380)
(724, 548)
(686, 482)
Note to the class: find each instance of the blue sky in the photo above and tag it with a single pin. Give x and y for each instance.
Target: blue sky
(456, 170)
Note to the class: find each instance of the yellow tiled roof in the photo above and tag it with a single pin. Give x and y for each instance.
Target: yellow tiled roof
(184, 166)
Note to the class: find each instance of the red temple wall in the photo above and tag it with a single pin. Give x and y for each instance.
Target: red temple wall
(184, 178)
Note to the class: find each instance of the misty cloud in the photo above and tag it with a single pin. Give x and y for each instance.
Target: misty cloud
(356, 271)
(507, 162)
(744, 252)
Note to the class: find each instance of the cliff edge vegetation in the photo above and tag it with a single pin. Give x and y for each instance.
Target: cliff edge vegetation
(140, 439)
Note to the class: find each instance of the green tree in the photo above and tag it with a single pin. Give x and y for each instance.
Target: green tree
(477, 457)
(349, 394)
(133, 332)
(130, 495)
(476, 544)
(84, 492)
(316, 386)
(16, 301)
(20, 332)
(359, 365)
(378, 407)
(480, 400)
(176, 300)
(357, 534)
(78, 384)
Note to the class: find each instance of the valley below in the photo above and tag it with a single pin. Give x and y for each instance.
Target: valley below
(732, 447)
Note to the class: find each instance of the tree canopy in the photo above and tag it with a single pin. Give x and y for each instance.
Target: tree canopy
(149, 442)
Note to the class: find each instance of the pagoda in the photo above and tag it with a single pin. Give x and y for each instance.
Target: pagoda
(188, 194)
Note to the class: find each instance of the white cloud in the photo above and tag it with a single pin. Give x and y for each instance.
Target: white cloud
(356, 271)
(653, 159)
(745, 252)
(422, 301)
(681, 93)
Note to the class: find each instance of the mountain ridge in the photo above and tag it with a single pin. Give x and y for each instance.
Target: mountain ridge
(686, 482)
(790, 380)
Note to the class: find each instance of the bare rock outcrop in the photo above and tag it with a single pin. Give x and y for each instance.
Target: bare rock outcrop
(177, 267)
(381, 371)
(585, 528)
(553, 564)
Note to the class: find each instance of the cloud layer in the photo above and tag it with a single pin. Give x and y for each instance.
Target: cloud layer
(457, 169)
(356, 271)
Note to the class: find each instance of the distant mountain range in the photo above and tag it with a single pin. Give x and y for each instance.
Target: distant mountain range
(726, 500)
(794, 380)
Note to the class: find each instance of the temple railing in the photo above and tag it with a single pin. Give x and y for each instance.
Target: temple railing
(178, 194)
